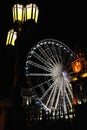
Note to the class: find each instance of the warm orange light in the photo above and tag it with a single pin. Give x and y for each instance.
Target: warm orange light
(75, 101)
(77, 66)
(74, 78)
(83, 75)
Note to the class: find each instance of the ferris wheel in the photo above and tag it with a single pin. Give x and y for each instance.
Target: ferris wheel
(48, 71)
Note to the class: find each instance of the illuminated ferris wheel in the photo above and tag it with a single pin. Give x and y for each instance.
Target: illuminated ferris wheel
(48, 71)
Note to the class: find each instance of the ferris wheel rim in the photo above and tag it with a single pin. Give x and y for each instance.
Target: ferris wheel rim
(55, 40)
(51, 40)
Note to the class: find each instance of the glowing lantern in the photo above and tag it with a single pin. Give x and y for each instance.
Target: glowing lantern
(18, 13)
(75, 101)
(74, 78)
(31, 12)
(77, 65)
(11, 37)
(83, 75)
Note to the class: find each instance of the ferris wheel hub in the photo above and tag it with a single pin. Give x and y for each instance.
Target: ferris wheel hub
(56, 71)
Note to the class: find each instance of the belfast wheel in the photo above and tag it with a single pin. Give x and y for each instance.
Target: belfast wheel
(48, 72)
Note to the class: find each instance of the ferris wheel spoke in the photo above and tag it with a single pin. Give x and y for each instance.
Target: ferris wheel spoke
(60, 54)
(57, 100)
(46, 92)
(68, 87)
(58, 94)
(70, 103)
(53, 96)
(55, 53)
(46, 56)
(65, 107)
(40, 74)
(38, 66)
(48, 49)
(45, 82)
(42, 60)
(49, 100)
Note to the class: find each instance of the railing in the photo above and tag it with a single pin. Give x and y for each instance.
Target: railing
(41, 119)
(19, 117)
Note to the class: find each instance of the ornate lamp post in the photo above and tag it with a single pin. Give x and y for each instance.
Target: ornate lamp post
(21, 14)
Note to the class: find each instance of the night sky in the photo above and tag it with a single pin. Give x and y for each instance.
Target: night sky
(63, 21)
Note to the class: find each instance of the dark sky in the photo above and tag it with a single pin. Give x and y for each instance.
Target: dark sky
(64, 21)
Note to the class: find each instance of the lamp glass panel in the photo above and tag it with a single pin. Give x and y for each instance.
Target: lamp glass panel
(28, 11)
(14, 38)
(33, 15)
(11, 37)
(31, 12)
(18, 13)
(36, 17)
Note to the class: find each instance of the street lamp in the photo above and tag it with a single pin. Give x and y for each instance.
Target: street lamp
(21, 14)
